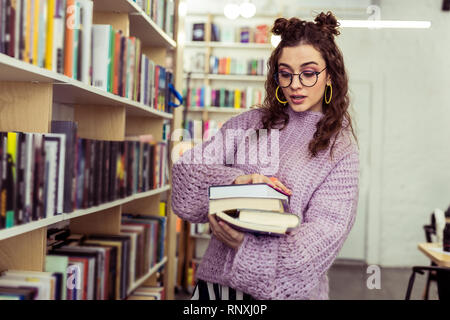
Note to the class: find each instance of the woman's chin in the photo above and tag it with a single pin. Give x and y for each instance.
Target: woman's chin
(299, 107)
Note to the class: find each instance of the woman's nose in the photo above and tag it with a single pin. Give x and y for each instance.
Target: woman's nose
(296, 83)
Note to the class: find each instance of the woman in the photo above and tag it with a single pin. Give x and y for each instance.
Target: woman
(306, 100)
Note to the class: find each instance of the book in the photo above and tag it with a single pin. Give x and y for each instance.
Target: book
(101, 46)
(58, 264)
(277, 205)
(69, 129)
(198, 32)
(256, 190)
(260, 221)
(85, 40)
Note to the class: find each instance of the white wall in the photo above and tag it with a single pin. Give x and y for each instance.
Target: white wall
(410, 134)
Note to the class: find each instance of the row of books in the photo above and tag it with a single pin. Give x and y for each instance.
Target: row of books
(97, 55)
(43, 175)
(202, 130)
(92, 267)
(161, 12)
(230, 33)
(228, 65)
(222, 97)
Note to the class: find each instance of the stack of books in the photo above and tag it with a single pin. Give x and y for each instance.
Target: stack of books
(255, 208)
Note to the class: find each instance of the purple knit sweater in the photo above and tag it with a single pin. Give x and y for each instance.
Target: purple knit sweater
(325, 196)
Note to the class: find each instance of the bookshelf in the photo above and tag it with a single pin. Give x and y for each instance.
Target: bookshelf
(31, 97)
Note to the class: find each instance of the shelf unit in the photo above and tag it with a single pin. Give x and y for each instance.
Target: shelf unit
(31, 97)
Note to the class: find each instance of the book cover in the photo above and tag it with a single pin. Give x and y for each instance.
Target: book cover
(69, 129)
(111, 60)
(50, 34)
(69, 46)
(198, 32)
(38, 177)
(42, 33)
(11, 179)
(86, 7)
(20, 179)
(101, 37)
(260, 221)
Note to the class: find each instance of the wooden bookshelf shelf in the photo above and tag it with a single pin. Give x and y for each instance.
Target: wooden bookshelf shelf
(141, 281)
(71, 91)
(216, 109)
(227, 77)
(141, 26)
(21, 229)
(230, 45)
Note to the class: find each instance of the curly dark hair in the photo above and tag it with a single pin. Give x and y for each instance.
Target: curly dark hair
(320, 34)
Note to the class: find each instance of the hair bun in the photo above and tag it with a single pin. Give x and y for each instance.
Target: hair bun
(280, 26)
(328, 23)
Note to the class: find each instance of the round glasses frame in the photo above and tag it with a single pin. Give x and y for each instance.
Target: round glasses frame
(275, 75)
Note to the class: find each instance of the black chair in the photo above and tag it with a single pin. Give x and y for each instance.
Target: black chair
(430, 230)
(442, 280)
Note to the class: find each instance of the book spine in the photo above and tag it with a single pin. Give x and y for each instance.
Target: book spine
(69, 38)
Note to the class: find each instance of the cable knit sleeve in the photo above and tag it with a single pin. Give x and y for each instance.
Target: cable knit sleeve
(204, 166)
(291, 266)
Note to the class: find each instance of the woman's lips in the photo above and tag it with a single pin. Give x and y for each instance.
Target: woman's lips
(297, 99)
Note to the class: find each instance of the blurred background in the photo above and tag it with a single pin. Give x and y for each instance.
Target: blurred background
(395, 52)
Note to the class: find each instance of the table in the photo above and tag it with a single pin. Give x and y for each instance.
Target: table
(441, 259)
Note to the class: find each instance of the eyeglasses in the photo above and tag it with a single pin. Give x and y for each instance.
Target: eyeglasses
(307, 78)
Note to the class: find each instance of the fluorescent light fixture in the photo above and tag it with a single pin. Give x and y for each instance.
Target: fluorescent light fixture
(378, 24)
(231, 11)
(247, 9)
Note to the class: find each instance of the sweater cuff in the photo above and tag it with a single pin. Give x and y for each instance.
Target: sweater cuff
(253, 268)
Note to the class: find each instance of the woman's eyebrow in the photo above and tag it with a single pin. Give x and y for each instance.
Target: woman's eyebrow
(302, 65)
(309, 62)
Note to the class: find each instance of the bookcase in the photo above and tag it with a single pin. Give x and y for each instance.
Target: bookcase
(31, 97)
(198, 72)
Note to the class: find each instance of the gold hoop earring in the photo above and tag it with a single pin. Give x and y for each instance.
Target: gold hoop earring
(276, 95)
(327, 101)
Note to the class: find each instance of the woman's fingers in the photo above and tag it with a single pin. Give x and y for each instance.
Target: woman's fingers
(232, 233)
(218, 230)
(282, 187)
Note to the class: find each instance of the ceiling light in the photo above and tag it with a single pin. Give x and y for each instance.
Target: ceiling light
(231, 11)
(247, 9)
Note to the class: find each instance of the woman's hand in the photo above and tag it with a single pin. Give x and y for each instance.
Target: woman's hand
(259, 178)
(225, 233)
